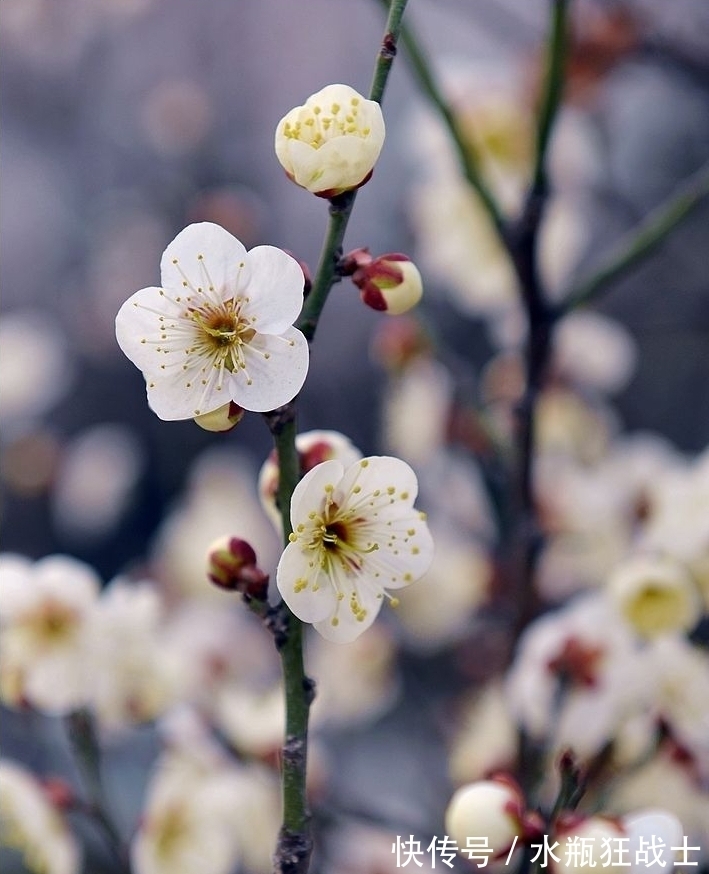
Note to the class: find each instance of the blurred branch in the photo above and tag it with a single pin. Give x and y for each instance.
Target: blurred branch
(552, 91)
(81, 731)
(468, 160)
(642, 240)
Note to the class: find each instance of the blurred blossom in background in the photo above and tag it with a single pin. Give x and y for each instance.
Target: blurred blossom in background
(126, 120)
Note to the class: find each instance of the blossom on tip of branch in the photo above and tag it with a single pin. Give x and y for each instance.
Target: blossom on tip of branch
(219, 329)
(355, 534)
(332, 142)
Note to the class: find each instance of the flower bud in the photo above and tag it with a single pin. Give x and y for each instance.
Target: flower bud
(493, 809)
(390, 283)
(232, 566)
(222, 419)
(574, 831)
(332, 142)
(656, 594)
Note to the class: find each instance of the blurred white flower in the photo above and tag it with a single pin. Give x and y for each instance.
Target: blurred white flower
(593, 350)
(576, 676)
(486, 740)
(32, 825)
(97, 477)
(591, 834)
(655, 594)
(332, 142)
(188, 823)
(252, 719)
(313, 447)
(35, 369)
(47, 610)
(220, 499)
(135, 677)
(679, 520)
(219, 329)
(372, 682)
(355, 535)
(440, 607)
(677, 690)
(666, 782)
(416, 410)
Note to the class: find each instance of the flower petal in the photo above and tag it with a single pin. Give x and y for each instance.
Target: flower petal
(309, 494)
(313, 602)
(275, 289)
(383, 483)
(276, 367)
(205, 259)
(140, 327)
(347, 628)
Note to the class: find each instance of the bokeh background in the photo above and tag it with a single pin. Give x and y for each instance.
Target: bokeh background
(125, 120)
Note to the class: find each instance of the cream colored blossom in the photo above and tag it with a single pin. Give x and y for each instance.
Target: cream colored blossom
(332, 142)
(30, 824)
(655, 594)
(135, 677)
(355, 535)
(46, 614)
(487, 808)
(219, 328)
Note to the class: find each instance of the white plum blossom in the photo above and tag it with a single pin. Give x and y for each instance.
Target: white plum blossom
(655, 594)
(220, 328)
(332, 142)
(355, 534)
(489, 808)
(30, 823)
(46, 613)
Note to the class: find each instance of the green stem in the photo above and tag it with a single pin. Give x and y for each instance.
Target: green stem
(294, 843)
(341, 206)
(552, 91)
(642, 240)
(468, 159)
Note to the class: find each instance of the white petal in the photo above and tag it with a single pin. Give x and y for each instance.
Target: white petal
(274, 380)
(385, 483)
(347, 628)
(402, 557)
(275, 289)
(309, 494)
(223, 266)
(313, 603)
(70, 580)
(140, 329)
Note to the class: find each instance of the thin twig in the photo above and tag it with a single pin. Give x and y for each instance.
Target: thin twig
(642, 240)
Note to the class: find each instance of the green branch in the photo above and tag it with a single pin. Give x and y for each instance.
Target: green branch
(552, 92)
(642, 240)
(341, 206)
(294, 843)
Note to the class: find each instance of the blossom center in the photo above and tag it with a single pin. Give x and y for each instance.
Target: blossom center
(319, 124)
(52, 623)
(222, 333)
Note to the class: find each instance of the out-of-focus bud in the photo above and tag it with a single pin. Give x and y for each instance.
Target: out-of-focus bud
(575, 832)
(656, 595)
(494, 809)
(232, 566)
(397, 342)
(313, 448)
(331, 143)
(390, 283)
(222, 419)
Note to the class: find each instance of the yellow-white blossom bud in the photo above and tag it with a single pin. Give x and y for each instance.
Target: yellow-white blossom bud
(656, 595)
(222, 419)
(493, 809)
(390, 283)
(332, 142)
